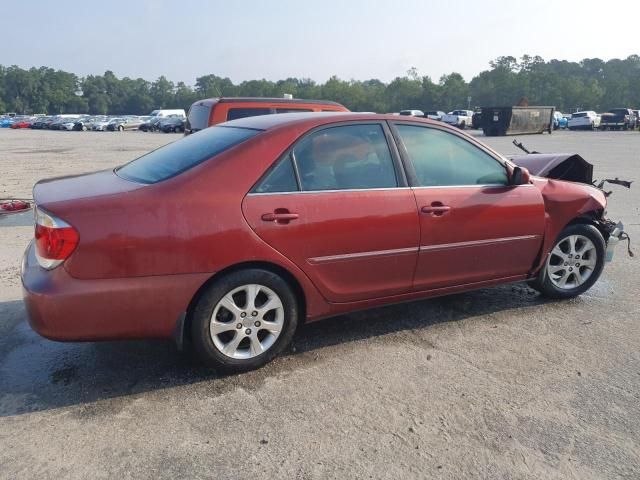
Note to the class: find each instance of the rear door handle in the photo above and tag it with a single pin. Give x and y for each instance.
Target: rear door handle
(436, 209)
(280, 216)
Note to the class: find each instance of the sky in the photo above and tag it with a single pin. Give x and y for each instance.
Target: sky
(276, 39)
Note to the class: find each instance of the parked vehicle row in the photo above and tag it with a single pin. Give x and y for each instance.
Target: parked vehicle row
(174, 120)
(613, 119)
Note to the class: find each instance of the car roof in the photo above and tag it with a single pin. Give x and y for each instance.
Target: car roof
(267, 122)
(293, 101)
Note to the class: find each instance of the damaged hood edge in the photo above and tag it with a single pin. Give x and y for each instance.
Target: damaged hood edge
(561, 166)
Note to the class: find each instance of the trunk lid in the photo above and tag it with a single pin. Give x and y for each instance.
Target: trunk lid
(76, 187)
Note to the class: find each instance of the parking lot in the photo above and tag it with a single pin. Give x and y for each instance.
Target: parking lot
(497, 383)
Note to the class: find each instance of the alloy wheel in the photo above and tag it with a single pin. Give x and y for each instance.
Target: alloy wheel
(571, 262)
(247, 321)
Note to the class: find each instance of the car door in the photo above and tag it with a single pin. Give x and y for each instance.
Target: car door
(338, 205)
(474, 226)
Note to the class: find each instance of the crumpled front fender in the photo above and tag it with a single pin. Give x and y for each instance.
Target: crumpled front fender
(565, 202)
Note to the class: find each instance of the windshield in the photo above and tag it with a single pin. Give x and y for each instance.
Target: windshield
(179, 156)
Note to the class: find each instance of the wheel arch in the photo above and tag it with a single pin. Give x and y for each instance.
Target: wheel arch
(184, 325)
(589, 217)
(593, 218)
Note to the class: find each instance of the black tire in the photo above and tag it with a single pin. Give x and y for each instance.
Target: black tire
(201, 319)
(544, 284)
(120, 128)
(463, 125)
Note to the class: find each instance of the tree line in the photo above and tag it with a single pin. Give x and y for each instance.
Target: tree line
(591, 84)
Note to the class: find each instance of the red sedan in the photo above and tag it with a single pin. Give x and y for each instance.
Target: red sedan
(21, 124)
(238, 233)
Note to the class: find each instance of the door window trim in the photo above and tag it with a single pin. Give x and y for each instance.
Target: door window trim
(396, 159)
(408, 164)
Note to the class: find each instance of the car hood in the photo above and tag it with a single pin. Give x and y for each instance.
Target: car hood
(561, 166)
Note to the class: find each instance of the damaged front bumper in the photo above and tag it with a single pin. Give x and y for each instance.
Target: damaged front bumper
(616, 234)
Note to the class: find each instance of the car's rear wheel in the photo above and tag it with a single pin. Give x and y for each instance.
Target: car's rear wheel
(243, 320)
(574, 264)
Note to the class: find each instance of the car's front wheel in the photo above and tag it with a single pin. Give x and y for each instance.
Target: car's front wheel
(243, 320)
(574, 263)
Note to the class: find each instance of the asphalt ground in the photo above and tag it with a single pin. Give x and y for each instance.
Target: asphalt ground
(498, 383)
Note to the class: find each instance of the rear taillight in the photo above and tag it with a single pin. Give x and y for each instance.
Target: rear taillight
(55, 239)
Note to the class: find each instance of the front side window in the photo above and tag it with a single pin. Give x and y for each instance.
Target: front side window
(235, 113)
(444, 159)
(345, 157)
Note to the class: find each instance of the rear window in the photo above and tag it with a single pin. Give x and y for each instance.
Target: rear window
(619, 111)
(235, 113)
(199, 117)
(175, 158)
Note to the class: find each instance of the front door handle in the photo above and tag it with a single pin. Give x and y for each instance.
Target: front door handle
(281, 216)
(436, 209)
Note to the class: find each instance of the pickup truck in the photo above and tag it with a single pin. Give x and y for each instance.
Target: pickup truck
(618, 119)
(459, 118)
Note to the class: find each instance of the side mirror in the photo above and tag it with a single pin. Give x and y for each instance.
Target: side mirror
(520, 176)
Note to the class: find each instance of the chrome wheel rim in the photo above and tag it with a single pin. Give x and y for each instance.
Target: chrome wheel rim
(247, 321)
(571, 262)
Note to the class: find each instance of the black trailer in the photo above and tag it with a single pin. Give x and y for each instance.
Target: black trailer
(500, 121)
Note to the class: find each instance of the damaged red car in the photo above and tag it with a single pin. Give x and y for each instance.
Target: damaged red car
(236, 234)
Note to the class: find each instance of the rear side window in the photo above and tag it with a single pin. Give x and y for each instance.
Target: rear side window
(235, 113)
(345, 157)
(281, 179)
(175, 158)
(443, 159)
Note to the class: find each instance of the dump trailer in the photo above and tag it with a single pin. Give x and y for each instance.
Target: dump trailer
(500, 121)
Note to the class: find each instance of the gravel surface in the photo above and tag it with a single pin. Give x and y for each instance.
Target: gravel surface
(497, 383)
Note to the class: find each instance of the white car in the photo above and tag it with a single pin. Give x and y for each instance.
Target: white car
(587, 120)
(100, 125)
(68, 125)
(459, 118)
(434, 115)
(412, 113)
